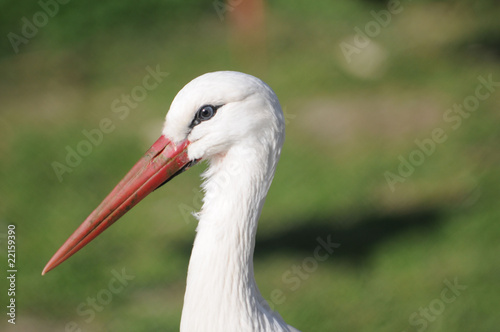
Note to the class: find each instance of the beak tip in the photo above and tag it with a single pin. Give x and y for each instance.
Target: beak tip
(49, 266)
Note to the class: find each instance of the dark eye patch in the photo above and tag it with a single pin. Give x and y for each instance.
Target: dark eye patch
(205, 113)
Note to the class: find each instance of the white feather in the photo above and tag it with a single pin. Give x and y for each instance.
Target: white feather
(242, 144)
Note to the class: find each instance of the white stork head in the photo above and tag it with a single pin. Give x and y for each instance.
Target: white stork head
(211, 116)
(218, 110)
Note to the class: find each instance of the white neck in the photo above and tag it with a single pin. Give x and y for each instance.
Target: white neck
(221, 293)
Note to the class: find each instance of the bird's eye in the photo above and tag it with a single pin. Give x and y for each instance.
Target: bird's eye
(204, 113)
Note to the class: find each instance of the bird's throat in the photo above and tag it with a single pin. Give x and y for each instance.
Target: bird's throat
(221, 293)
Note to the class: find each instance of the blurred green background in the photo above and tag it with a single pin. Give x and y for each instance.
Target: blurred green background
(351, 118)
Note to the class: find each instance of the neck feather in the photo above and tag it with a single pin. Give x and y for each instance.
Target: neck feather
(221, 293)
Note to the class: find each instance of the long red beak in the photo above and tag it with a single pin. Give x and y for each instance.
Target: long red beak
(162, 161)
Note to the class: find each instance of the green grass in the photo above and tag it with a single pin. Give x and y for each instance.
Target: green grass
(343, 133)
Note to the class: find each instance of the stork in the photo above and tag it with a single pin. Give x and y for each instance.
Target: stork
(233, 121)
